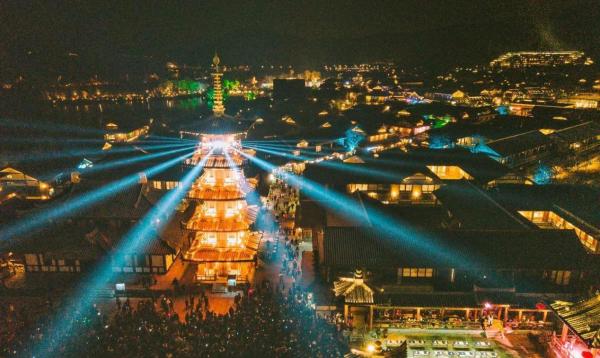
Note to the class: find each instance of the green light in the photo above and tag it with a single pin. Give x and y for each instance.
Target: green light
(438, 121)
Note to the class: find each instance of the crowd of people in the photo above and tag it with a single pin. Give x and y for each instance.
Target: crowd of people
(18, 315)
(282, 200)
(263, 322)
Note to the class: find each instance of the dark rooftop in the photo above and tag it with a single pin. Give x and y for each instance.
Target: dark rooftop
(519, 143)
(352, 247)
(482, 168)
(476, 209)
(576, 203)
(583, 318)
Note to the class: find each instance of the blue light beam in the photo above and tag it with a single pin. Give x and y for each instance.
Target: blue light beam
(137, 238)
(387, 225)
(40, 218)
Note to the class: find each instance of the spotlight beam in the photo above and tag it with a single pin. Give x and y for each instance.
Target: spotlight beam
(388, 226)
(285, 153)
(113, 164)
(306, 153)
(137, 238)
(54, 212)
(294, 141)
(85, 152)
(253, 195)
(288, 148)
(388, 175)
(175, 139)
(123, 162)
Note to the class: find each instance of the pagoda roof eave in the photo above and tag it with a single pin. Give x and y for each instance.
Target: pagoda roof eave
(221, 255)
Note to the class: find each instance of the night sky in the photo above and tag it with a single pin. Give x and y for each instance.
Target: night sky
(109, 34)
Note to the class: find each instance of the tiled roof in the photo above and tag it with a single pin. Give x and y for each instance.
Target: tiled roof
(481, 167)
(217, 224)
(309, 214)
(336, 172)
(217, 193)
(582, 317)
(156, 246)
(578, 132)
(253, 240)
(221, 162)
(221, 255)
(575, 203)
(519, 143)
(351, 247)
(80, 242)
(354, 290)
(129, 203)
(476, 209)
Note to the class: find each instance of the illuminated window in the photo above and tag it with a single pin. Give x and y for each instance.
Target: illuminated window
(210, 179)
(360, 187)
(232, 239)
(230, 209)
(210, 239)
(589, 242)
(211, 209)
(560, 277)
(422, 272)
(229, 179)
(428, 188)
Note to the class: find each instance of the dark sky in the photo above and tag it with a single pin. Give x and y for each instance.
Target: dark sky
(428, 32)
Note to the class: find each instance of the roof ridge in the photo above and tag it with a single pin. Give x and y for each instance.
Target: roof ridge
(514, 136)
(496, 204)
(575, 126)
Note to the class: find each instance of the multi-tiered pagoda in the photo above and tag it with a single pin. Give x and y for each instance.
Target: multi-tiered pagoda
(221, 241)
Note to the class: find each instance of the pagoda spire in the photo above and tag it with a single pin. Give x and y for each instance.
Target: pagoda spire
(218, 107)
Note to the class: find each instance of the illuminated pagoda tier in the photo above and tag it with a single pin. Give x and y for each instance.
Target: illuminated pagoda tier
(221, 241)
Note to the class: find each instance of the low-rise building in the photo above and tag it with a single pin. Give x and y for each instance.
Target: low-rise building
(517, 150)
(525, 59)
(524, 207)
(76, 243)
(15, 183)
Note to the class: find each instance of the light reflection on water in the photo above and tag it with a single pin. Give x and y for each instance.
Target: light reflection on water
(129, 113)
